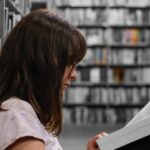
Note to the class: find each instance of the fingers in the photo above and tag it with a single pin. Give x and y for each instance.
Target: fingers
(101, 135)
(92, 145)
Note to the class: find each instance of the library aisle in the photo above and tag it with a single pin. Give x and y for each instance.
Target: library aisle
(75, 137)
(113, 81)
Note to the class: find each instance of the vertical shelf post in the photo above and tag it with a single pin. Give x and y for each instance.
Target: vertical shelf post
(2, 22)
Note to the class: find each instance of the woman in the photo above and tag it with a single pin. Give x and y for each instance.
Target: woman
(37, 65)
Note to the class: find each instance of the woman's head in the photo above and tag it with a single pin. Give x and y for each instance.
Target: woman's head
(33, 62)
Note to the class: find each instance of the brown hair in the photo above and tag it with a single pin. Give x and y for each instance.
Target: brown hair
(33, 60)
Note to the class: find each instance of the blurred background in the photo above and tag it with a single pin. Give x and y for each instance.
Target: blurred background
(113, 81)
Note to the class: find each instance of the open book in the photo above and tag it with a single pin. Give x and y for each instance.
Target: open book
(135, 135)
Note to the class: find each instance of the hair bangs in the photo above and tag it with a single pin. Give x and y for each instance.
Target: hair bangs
(77, 48)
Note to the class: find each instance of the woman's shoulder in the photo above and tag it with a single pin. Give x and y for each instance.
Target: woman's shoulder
(20, 120)
(16, 103)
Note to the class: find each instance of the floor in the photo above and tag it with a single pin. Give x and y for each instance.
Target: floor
(75, 137)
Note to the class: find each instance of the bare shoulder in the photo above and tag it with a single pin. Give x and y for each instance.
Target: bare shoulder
(27, 143)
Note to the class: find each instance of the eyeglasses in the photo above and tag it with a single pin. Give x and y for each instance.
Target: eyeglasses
(73, 67)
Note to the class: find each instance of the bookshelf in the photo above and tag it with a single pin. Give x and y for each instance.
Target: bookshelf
(2, 15)
(11, 12)
(113, 81)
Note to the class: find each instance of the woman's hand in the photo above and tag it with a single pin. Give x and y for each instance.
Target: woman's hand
(92, 145)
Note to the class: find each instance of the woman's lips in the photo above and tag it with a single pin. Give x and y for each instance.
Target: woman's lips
(66, 86)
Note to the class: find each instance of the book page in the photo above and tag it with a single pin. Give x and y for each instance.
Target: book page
(144, 112)
(126, 135)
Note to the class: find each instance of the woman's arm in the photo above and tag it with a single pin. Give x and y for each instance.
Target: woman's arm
(27, 143)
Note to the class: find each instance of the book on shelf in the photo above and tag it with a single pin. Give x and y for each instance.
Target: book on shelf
(135, 135)
(95, 75)
(0, 42)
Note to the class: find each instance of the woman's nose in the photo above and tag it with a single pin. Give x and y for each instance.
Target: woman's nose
(73, 74)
